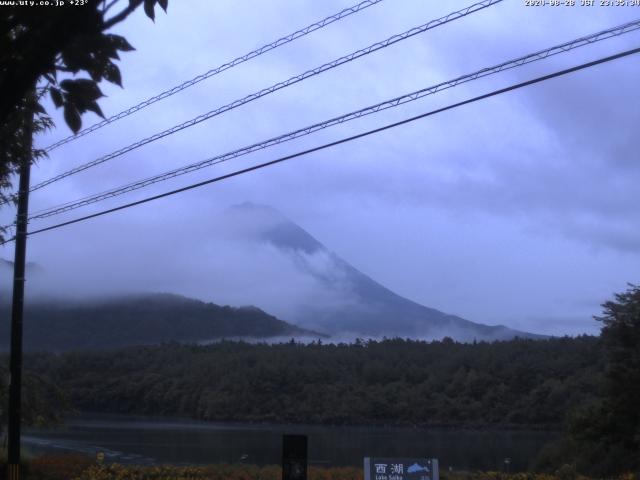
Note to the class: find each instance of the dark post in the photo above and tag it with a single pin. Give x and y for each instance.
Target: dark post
(15, 364)
(294, 457)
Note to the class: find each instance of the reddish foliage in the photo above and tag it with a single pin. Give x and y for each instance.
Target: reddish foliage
(57, 467)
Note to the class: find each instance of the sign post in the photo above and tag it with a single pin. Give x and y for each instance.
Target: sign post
(401, 469)
(294, 457)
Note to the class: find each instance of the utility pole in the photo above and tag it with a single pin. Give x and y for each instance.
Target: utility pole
(17, 305)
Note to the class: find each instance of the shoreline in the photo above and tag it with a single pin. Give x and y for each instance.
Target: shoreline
(92, 416)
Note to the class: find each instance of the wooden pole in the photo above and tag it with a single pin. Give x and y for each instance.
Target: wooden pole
(17, 306)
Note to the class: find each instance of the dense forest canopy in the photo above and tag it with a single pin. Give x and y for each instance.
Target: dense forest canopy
(587, 386)
(392, 382)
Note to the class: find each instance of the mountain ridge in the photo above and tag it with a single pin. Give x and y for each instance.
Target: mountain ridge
(375, 310)
(141, 319)
(340, 301)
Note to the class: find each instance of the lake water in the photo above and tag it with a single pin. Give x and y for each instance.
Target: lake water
(144, 440)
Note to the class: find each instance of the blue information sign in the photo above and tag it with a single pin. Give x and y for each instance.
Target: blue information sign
(401, 469)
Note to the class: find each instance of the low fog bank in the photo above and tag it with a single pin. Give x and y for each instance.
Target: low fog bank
(250, 256)
(350, 338)
(234, 265)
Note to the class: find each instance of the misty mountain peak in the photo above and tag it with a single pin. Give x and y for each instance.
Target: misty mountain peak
(257, 209)
(265, 224)
(340, 298)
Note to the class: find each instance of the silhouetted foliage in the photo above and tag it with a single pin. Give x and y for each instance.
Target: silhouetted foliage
(604, 437)
(36, 46)
(43, 402)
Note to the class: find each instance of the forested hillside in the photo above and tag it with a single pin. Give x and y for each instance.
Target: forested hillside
(393, 382)
(58, 325)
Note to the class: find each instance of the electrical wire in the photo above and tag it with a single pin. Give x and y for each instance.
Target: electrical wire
(523, 60)
(344, 140)
(215, 71)
(278, 86)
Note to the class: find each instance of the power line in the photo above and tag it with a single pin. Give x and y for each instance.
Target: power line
(345, 140)
(539, 55)
(9, 240)
(278, 86)
(215, 71)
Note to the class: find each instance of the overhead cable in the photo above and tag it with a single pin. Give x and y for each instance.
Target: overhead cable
(278, 86)
(394, 102)
(215, 71)
(342, 141)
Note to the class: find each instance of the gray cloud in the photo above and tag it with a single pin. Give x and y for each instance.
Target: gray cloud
(507, 211)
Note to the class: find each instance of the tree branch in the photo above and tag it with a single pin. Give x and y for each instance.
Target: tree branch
(108, 7)
(122, 15)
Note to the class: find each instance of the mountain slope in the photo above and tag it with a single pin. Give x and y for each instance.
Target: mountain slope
(139, 319)
(366, 308)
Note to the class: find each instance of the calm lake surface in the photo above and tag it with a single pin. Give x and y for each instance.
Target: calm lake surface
(145, 440)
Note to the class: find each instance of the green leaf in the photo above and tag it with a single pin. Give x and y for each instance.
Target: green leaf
(112, 74)
(120, 43)
(72, 117)
(149, 9)
(76, 56)
(39, 108)
(95, 72)
(95, 108)
(56, 97)
(109, 50)
(68, 85)
(82, 89)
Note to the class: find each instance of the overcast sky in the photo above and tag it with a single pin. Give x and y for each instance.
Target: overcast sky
(521, 210)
